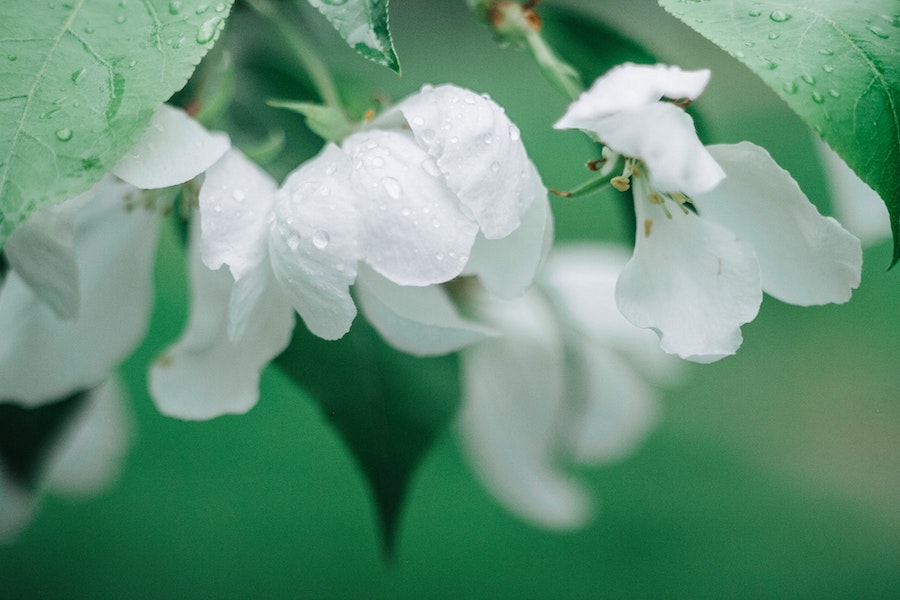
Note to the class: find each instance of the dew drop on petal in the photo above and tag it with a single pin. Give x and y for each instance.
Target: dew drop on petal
(488, 138)
(321, 239)
(435, 223)
(417, 121)
(431, 167)
(514, 133)
(217, 208)
(495, 166)
(293, 241)
(392, 187)
(238, 195)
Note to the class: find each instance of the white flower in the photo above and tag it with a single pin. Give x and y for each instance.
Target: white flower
(78, 295)
(563, 384)
(696, 277)
(84, 459)
(438, 186)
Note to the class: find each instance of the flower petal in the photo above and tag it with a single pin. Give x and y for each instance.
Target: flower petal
(663, 136)
(206, 374)
(42, 357)
(173, 149)
(513, 388)
(314, 244)
(417, 320)
(630, 86)
(41, 251)
(479, 152)
(414, 231)
(692, 281)
(804, 258)
(507, 266)
(235, 200)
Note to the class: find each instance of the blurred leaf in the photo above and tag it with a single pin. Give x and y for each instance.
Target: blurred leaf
(28, 434)
(328, 122)
(388, 406)
(364, 26)
(81, 81)
(835, 63)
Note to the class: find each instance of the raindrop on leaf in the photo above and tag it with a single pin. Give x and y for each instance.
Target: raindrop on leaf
(779, 16)
(64, 134)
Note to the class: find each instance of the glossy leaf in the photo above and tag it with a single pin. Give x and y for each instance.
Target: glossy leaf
(388, 407)
(81, 81)
(364, 26)
(835, 63)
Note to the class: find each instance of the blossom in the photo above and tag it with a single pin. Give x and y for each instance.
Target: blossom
(697, 275)
(564, 383)
(83, 459)
(78, 296)
(437, 186)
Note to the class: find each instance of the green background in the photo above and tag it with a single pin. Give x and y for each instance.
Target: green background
(772, 474)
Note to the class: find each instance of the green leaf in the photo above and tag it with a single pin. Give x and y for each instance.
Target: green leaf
(835, 63)
(364, 26)
(388, 406)
(81, 79)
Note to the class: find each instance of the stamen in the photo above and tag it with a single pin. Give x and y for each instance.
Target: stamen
(648, 225)
(659, 200)
(621, 183)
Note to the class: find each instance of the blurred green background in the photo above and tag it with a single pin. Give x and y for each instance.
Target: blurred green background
(772, 474)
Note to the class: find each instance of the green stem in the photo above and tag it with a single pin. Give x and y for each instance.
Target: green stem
(308, 57)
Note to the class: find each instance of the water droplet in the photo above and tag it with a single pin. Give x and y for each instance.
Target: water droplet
(131, 63)
(755, 12)
(514, 133)
(76, 75)
(12, 57)
(431, 167)
(392, 187)
(470, 99)
(878, 31)
(790, 87)
(828, 68)
(201, 9)
(293, 241)
(377, 161)
(826, 52)
(238, 195)
(488, 138)
(439, 256)
(220, 7)
(218, 208)
(773, 36)
(321, 239)
(64, 134)
(405, 211)
(428, 135)
(435, 223)
(454, 139)
(325, 192)
(174, 7)
(808, 79)
(50, 113)
(121, 19)
(738, 54)
(749, 44)
(331, 169)
(818, 98)
(208, 30)
(834, 93)
(89, 29)
(779, 16)
(770, 64)
(418, 121)
(495, 166)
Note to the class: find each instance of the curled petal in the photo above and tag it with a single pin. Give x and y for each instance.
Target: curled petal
(507, 266)
(235, 200)
(478, 151)
(206, 374)
(513, 388)
(692, 281)
(417, 320)
(631, 86)
(42, 357)
(414, 230)
(314, 244)
(172, 150)
(663, 137)
(804, 258)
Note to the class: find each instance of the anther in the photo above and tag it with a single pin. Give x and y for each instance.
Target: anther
(648, 225)
(621, 183)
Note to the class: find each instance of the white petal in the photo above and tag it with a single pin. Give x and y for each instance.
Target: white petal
(580, 282)
(172, 150)
(513, 389)
(314, 244)
(663, 136)
(42, 357)
(417, 320)
(414, 231)
(692, 281)
(89, 455)
(804, 258)
(235, 200)
(41, 251)
(206, 374)
(507, 266)
(856, 206)
(480, 153)
(617, 407)
(630, 86)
